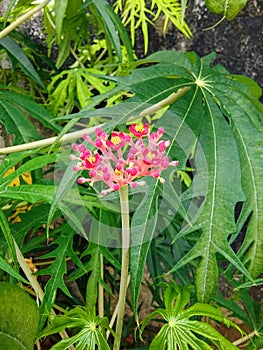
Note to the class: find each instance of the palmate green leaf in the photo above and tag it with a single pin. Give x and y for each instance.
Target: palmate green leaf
(92, 329)
(74, 88)
(150, 86)
(217, 217)
(75, 317)
(176, 133)
(223, 156)
(180, 331)
(197, 121)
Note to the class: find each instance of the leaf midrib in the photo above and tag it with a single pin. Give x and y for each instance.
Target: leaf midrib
(213, 198)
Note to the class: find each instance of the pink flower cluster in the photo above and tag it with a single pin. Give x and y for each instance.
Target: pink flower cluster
(123, 158)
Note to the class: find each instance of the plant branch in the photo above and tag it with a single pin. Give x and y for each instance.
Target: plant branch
(244, 339)
(77, 134)
(124, 200)
(47, 142)
(22, 19)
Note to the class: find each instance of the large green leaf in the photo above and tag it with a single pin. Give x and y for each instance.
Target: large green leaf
(197, 126)
(197, 122)
(179, 330)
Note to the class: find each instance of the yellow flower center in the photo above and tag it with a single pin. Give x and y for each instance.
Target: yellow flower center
(150, 155)
(139, 127)
(117, 172)
(91, 159)
(115, 140)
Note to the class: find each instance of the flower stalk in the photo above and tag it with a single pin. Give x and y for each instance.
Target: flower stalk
(124, 201)
(120, 160)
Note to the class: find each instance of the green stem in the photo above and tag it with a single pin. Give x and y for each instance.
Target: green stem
(101, 291)
(22, 19)
(125, 263)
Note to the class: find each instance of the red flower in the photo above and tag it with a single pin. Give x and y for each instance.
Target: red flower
(139, 130)
(91, 161)
(121, 160)
(117, 140)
